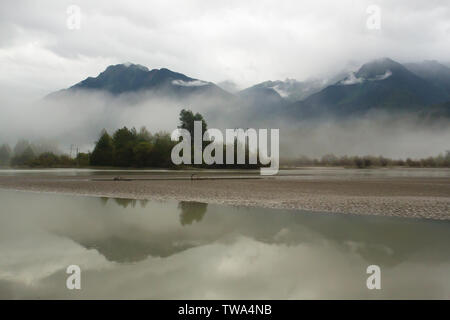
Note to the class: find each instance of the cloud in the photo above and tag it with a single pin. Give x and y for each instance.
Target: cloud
(386, 75)
(353, 79)
(244, 42)
(229, 86)
(280, 91)
(194, 83)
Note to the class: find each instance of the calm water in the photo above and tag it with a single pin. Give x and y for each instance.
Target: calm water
(147, 249)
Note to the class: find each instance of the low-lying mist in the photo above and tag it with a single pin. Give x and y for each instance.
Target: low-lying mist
(393, 136)
(78, 118)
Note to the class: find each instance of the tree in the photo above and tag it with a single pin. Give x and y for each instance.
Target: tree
(124, 141)
(46, 159)
(142, 154)
(51, 160)
(160, 156)
(82, 159)
(144, 135)
(5, 155)
(187, 118)
(104, 151)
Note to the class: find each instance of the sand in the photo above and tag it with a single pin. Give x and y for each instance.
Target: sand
(414, 197)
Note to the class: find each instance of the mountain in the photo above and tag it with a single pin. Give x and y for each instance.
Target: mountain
(437, 111)
(132, 78)
(382, 84)
(436, 73)
(290, 89)
(229, 86)
(266, 98)
(262, 96)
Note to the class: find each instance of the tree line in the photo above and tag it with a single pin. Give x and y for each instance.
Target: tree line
(368, 161)
(26, 154)
(133, 148)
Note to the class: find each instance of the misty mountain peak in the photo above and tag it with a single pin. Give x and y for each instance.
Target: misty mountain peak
(427, 68)
(125, 67)
(135, 66)
(434, 72)
(129, 77)
(289, 89)
(378, 68)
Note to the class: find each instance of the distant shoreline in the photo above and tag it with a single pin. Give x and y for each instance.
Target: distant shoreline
(425, 196)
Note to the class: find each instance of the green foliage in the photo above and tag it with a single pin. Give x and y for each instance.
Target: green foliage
(103, 154)
(144, 135)
(34, 155)
(441, 161)
(46, 159)
(51, 160)
(129, 148)
(83, 159)
(143, 153)
(65, 161)
(124, 141)
(163, 145)
(187, 118)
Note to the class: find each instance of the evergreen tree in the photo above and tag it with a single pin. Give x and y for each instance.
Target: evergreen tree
(160, 156)
(187, 118)
(103, 153)
(124, 141)
(142, 154)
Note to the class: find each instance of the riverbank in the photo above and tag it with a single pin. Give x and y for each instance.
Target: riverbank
(417, 196)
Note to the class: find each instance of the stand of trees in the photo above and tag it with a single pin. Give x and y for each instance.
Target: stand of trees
(26, 154)
(132, 148)
(129, 148)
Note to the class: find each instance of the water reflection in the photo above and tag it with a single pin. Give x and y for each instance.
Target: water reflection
(195, 250)
(191, 211)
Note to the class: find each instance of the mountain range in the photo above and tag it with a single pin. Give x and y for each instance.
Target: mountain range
(133, 78)
(382, 84)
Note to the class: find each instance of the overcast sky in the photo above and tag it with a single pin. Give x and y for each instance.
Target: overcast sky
(210, 40)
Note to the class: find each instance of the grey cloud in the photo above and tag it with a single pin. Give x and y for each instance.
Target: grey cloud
(245, 42)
